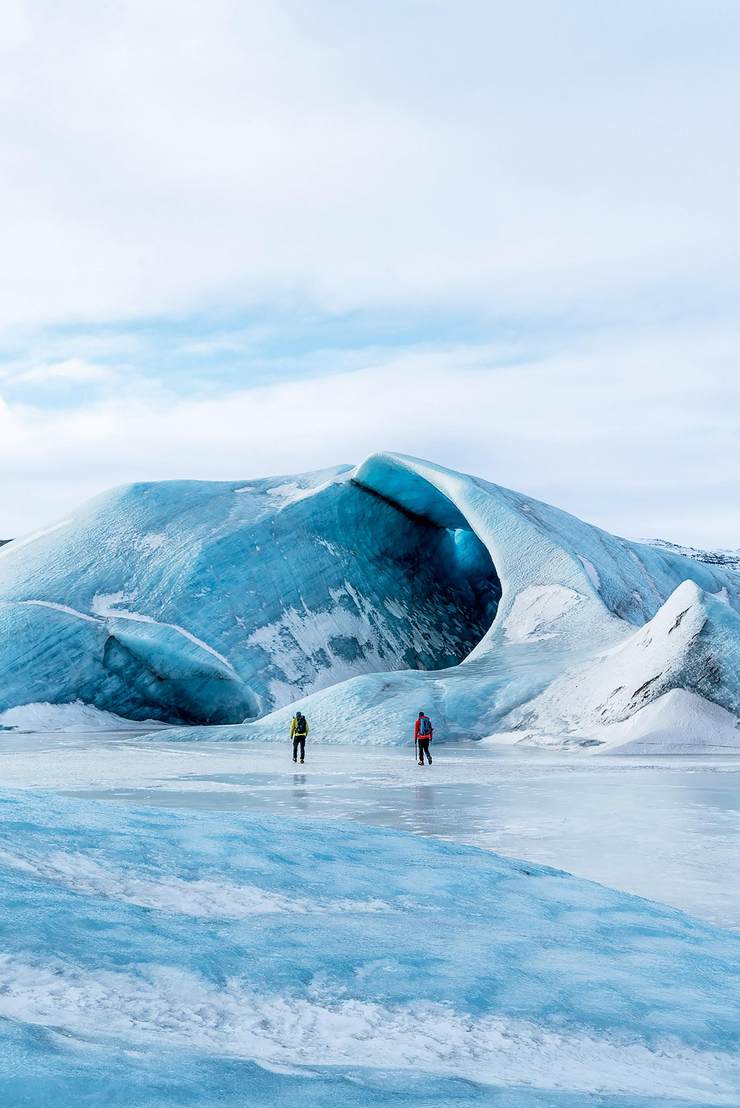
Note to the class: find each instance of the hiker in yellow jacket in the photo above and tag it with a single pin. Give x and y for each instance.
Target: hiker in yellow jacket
(298, 732)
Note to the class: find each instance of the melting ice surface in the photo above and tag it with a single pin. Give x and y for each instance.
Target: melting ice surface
(172, 954)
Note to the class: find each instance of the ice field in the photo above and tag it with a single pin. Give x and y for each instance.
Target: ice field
(203, 924)
(667, 828)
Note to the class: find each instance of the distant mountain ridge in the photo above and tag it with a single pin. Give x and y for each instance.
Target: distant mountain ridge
(710, 557)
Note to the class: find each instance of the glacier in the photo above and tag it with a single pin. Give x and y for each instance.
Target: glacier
(159, 953)
(363, 594)
(161, 959)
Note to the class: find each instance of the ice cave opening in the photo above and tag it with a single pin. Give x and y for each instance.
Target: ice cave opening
(360, 576)
(427, 566)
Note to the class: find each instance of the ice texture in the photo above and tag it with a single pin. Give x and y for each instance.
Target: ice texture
(157, 958)
(692, 645)
(362, 595)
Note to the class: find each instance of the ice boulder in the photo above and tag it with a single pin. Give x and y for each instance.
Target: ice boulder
(362, 593)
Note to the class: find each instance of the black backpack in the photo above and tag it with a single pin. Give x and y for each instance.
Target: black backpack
(425, 726)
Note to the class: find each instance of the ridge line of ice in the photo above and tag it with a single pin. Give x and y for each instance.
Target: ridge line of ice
(25, 540)
(103, 604)
(57, 608)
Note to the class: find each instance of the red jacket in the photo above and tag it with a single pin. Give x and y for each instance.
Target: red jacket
(417, 730)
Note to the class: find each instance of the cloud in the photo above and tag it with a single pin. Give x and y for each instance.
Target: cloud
(508, 159)
(71, 371)
(552, 184)
(579, 429)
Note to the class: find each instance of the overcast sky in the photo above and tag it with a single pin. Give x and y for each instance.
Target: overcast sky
(245, 238)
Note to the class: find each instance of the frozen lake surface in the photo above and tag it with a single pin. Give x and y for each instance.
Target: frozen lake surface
(664, 828)
(208, 924)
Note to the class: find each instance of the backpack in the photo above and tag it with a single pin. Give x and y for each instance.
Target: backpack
(425, 726)
(300, 726)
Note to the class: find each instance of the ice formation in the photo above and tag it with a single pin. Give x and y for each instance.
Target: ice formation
(365, 594)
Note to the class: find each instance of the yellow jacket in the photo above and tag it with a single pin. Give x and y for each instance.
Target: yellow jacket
(294, 727)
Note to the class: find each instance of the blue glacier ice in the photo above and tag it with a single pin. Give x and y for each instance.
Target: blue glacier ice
(150, 958)
(364, 594)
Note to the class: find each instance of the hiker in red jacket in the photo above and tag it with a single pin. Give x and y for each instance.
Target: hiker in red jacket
(422, 737)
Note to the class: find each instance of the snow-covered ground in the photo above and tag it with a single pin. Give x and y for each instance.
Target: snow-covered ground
(206, 924)
(76, 716)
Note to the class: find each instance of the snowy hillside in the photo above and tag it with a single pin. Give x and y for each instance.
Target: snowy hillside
(692, 645)
(364, 594)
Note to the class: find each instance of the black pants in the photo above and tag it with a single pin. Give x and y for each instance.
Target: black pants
(424, 749)
(299, 740)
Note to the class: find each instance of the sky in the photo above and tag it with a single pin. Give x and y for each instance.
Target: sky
(241, 239)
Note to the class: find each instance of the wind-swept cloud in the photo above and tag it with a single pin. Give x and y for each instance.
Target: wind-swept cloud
(565, 428)
(71, 371)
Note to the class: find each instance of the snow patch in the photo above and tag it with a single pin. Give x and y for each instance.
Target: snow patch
(290, 492)
(201, 898)
(75, 716)
(167, 1006)
(536, 611)
(106, 604)
(679, 722)
(153, 540)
